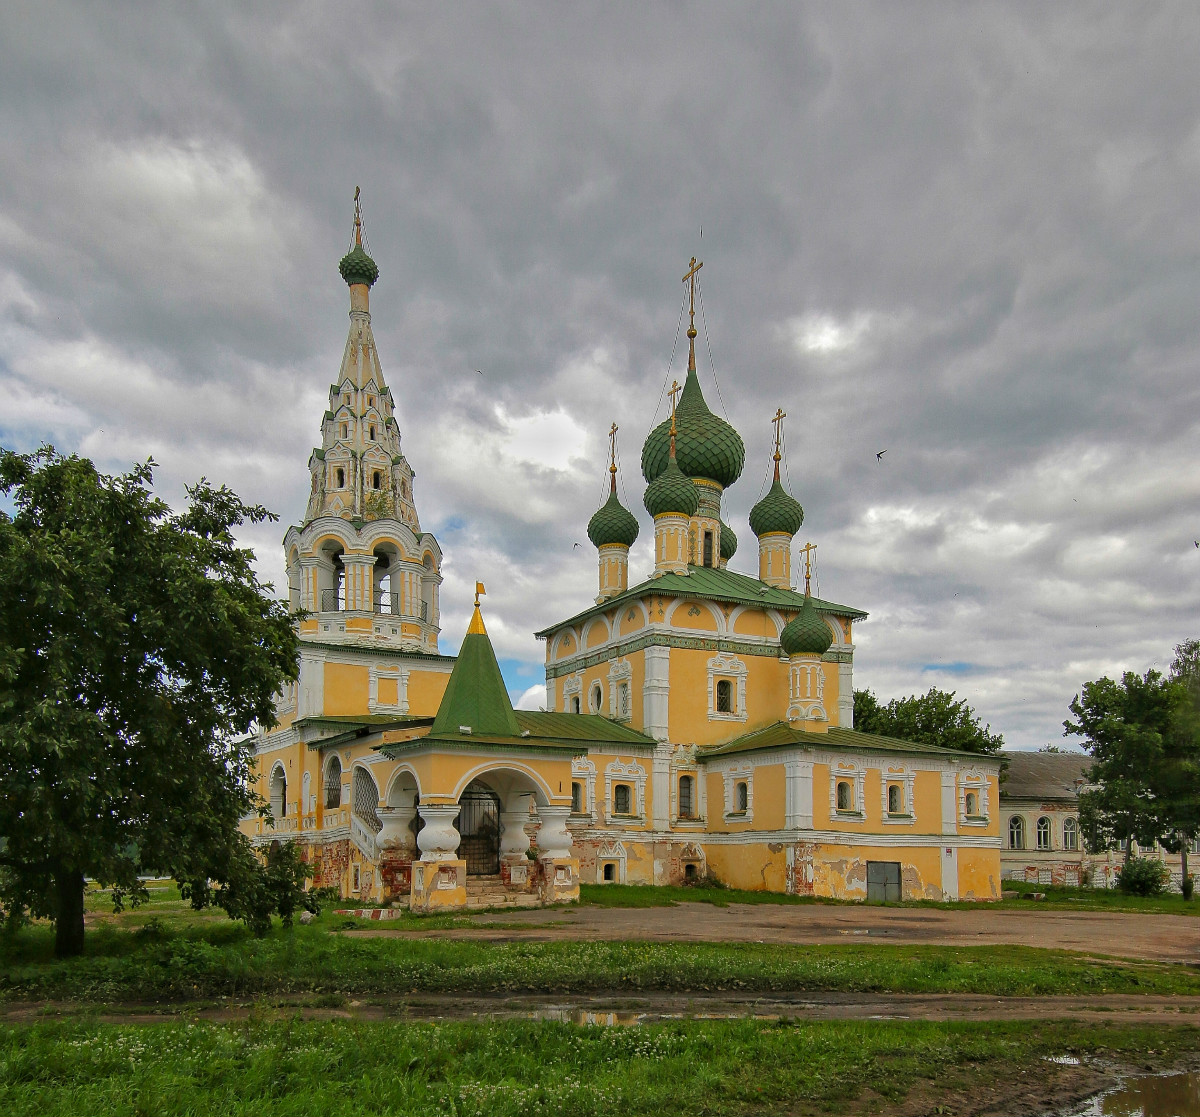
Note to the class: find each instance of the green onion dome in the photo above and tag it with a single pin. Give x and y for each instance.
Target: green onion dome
(806, 633)
(776, 512)
(357, 267)
(612, 522)
(671, 493)
(705, 445)
(728, 542)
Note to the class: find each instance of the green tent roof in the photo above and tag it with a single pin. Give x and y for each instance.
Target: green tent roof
(476, 695)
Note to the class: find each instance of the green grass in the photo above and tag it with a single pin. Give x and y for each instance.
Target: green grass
(203, 961)
(288, 1066)
(1097, 899)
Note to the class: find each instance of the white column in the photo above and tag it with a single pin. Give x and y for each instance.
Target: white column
(845, 694)
(438, 838)
(396, 833)
(798, 794)
(655, 692)
(513, 840)
(661, 790)
(949, 804)
(554, 839)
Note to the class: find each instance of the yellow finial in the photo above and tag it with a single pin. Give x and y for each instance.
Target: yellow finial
(612, 457)
(690, 278)
(357, 219)
(476, 626)
(808, 549)
(780, 415)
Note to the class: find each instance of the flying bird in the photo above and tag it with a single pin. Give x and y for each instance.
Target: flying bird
(480, 371)
(574, 545)
(879, 456)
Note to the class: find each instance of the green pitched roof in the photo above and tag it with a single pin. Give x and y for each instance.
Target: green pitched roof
(783, 734)
(580, 727)
(715, 585)
(476, 694)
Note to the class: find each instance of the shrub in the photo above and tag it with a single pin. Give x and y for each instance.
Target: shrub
(1188, 886)
(1143, 876)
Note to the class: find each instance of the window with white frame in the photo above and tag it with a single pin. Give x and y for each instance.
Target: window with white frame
(895, 798)
(1071, 834)
(845, 795)
(727, 688)
(1016, 832)
(687, 807)
(576, 797)
(596, 702)
(851, 798)
(622, 799)
(333, 784)
(278, 792)
(972, 804)
(632, 777)
(741, 797)
(1043, 833)
(583, 772)
(739, 793)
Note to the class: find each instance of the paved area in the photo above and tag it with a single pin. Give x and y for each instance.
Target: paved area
(1170, 938)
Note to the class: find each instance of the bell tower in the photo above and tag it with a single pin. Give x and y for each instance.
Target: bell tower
(359, 563)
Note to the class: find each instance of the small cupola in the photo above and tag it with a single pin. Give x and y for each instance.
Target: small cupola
(775, 520)
(356, 266)
(613, 530)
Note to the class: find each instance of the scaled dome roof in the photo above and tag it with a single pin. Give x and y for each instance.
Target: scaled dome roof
(806, 633)
(612, 522)
(776, 512)
(357, 267)
(705, 445)
(728, 541)
(671, 493)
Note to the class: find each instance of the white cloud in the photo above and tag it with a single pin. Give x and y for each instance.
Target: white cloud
(533, 699)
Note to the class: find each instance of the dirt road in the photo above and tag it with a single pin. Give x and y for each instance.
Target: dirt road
(1166, 938)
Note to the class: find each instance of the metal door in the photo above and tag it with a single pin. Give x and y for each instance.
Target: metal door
(883, 882)
(478, 825)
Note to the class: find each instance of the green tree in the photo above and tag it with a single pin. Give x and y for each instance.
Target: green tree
(1127, 727)
(1178, 782)
(136, 645)
(934, 718)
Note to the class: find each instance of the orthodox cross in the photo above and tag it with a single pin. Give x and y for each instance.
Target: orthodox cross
(612, 455)
(357, 219)
(780, 415)
(807, 550)
(693, 267)
(675, 390)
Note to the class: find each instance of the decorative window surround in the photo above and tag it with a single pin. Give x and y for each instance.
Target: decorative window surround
(855, 775)
(584, 771)
(572, 688)
(741, 773)
(635, 775)
(611, 853)
(620, 683)
(400, 674)
(976, 782)
(593, 706)
(696, 818)
(723, 665)
(905, 778)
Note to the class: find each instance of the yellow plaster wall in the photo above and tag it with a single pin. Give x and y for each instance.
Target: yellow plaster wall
(979, 874)
(841, 871)
(347, 687)
(755, 622)
(627, 624)
(757, 866)
(597, 632)
(425, 690)
(766, 697)
(704, 620)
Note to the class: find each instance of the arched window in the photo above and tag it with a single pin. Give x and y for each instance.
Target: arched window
(366, 799)
(724, 696)
(372, 432)
(1016, 832)
(376, 479)
(1043, 833)
(685, 796)
(1070, 834)
(741, 797)
(577, 798)
(575, 705)
(597, 698)
(278, 793)
(344, 430)
(621, 799)
(340, 478)
(844, 800)
(333, 784)
(895, 799)
(972, 805)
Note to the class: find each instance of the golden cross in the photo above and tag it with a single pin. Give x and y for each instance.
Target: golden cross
(808, 549)
(675, 390)
(780, 415)
(357, 218)
(693, 267)
(612, 453)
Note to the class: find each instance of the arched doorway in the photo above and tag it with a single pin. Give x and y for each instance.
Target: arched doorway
(478, 825)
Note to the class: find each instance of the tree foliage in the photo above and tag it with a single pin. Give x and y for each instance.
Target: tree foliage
(136, 645)
(934, 718)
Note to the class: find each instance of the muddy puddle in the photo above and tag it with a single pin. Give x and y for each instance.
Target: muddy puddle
(1149, 1095)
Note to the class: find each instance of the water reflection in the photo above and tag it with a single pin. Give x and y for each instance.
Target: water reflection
(1151, 1095)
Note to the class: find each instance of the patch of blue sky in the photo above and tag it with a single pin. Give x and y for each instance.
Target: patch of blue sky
(956, 667)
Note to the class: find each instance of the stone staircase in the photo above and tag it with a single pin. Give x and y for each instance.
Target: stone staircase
(489, 892)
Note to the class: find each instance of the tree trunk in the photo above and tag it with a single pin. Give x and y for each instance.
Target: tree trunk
(1183, 844)
(68, 920)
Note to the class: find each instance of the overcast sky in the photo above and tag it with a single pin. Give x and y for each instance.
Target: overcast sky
(966, 234)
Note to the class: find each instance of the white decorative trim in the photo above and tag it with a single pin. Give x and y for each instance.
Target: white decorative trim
(806, 689)
(729, 665)
(584, 771)
(847, 770)
(400, 675)
(905, 777)
(594, 707)
(798, 795)
(611, 852)
(733, 775)
(686, 765)
(631, 773)
(656, 690)
(977, 782)
(572, 688)
(620, 686)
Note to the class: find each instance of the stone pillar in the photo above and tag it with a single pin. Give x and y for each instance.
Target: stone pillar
(560, 871)
(397, 833)
(660, 787)
(656, 692)
(439, 878)
(397, 848)
(360, 582)
(514, 845)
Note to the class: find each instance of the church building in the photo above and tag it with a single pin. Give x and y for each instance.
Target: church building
(697, 724)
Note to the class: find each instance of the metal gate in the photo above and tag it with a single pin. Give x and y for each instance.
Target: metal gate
(883, 882)
(478, 826)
